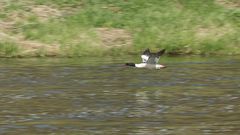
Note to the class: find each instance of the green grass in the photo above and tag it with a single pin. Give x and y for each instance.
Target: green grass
(58, 2)
(8, 49)
(2, 15)
(180, 26)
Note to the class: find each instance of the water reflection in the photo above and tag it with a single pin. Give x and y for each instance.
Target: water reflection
(101, 96)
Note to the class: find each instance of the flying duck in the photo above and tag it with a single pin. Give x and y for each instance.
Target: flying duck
(149, 60)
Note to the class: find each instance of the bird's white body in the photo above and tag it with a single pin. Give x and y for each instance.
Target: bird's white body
(151, 66)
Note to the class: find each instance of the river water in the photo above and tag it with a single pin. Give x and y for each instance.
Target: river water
(193, 95)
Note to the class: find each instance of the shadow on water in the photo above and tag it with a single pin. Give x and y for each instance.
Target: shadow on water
(101, 96)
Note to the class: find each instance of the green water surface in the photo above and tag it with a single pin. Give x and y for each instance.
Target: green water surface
(192, 96)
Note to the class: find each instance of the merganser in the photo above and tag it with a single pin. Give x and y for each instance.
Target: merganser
(149, 60)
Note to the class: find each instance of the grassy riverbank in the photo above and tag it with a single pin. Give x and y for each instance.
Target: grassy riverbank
(112, 27)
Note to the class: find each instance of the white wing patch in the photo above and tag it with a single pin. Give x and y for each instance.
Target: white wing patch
(144, 58)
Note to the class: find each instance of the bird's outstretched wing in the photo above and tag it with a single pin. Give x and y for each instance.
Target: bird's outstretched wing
(152, 60)
(154, 57)
(145, 55)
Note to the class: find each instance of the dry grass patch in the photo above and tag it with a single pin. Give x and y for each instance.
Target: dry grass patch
(213, 32)
(44, 12)
(34, 48)
(228, 3)
(31, 48)
(112, 37)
